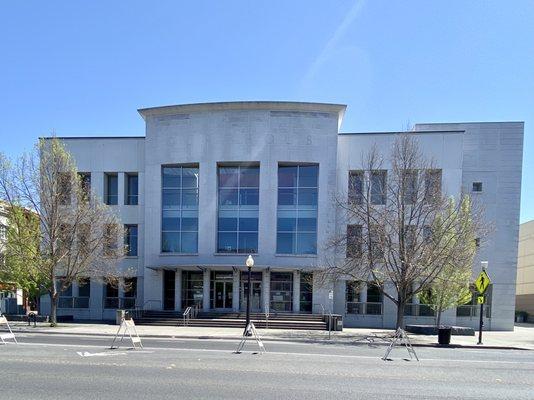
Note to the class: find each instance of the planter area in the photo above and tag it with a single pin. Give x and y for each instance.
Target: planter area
(433, 330)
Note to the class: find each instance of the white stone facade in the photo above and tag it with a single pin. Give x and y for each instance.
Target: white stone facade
(270, 134)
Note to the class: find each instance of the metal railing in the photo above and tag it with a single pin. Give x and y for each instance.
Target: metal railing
(418, 310)
(187, 315)
(364, 308)
(322, 308)
(472, 311)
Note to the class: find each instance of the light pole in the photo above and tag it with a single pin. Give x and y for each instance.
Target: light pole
(249, 263)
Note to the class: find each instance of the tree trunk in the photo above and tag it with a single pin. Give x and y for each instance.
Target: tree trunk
(53, 309)
(400, 314)
(438, 320)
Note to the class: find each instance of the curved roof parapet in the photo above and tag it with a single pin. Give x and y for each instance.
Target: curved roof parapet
(338, 109)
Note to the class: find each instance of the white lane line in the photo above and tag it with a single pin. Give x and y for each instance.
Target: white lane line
(283, 353)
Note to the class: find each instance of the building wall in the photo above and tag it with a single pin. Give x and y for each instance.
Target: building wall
(270, 133)
(493, 154)
(261, 135)
(525, 270)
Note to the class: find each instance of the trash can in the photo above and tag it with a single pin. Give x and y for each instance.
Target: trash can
(444, 335)
(336, 322)
(121, 314)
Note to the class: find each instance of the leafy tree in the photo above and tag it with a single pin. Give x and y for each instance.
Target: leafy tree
(452, 285)
(78, 235)
(402, 230)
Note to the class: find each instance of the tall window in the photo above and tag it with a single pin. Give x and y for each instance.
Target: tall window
(111, 192)
(297, 209)
(354, 241)
(378, 187)
(110, 239)
(64, 188)
(410, 187)
(132, 189)
(130, 292)
(238, 209)
(192, 288)
(179, 225)
(85, 183)
(130, 240)
(432, 184)
(356, 187)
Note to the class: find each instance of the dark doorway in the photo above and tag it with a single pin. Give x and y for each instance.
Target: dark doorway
(168, 289)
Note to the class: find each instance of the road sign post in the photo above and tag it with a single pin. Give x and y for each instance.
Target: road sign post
(482, 283)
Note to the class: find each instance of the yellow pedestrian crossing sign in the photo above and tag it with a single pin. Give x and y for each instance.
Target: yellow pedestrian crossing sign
(482, 282)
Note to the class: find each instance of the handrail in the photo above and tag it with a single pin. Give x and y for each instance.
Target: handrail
(187, 315)
(319, 304)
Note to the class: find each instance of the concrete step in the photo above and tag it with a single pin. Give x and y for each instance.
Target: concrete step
(233, 323)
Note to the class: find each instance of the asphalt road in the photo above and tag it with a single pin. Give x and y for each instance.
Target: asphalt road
(82, 367)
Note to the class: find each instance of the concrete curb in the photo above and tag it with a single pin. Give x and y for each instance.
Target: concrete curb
(297, 340)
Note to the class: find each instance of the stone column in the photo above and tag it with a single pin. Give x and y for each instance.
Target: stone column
(235, 290)
(296, 291)
(265, 289)
(206, 290)
(363, 297)
(178, 290)
(121, 197)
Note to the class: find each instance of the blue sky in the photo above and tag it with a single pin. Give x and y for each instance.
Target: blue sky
(84, 68)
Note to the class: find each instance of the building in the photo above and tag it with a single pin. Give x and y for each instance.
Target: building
(12, 299)
(524, 300)
(210, 183)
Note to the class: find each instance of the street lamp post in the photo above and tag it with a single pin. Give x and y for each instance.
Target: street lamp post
(249, 263)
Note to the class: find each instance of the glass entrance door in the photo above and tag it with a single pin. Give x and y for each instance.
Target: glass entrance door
(223, 294)
(255, 295)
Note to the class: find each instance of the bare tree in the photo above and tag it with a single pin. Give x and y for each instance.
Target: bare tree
(78, 235)
(402, 230)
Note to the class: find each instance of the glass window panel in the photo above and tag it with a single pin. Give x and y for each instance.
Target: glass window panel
(84, 288)
(171, 221)
(287, 224)
(308, 197)
(227, 242)
(308, 175)
(189, 242)
(378, 187)
(285, 243)
(228, 176)
(287, 176)
(190, 197)
(227, 224)
(307, 224)
(249, 197)
(249, 177)
(248, 224)
(248, 242)
(189, 224)
(171, 198)
(287, 197)
(189, 177)
(171, 177)
(306, 243)
(170, 242)
(228, 197)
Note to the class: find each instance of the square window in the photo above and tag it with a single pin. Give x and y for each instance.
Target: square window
(227, 242)
(477, 186)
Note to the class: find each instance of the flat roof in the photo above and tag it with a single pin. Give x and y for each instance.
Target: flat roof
(401, 132)
(91, 137)
(338, 109)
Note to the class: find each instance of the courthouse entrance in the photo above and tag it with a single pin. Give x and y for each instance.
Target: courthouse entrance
(222, 286)
(255, 294)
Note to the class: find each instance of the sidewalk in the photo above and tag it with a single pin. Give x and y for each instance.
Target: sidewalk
(521, 338)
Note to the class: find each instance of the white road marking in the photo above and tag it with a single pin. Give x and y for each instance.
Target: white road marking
(87, 354)
(229, 351)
